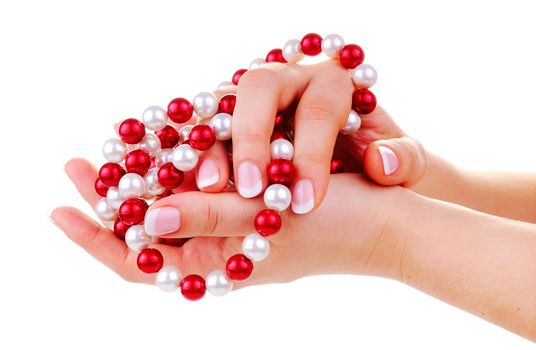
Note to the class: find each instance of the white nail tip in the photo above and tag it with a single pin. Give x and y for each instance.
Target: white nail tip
(208, 181)
(389, 159)
(303, 208)
(250, 192)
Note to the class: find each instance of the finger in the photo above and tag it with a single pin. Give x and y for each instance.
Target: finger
(400, 161)
(260, 93)
(322, 111)
(83, 174)
(212, 171)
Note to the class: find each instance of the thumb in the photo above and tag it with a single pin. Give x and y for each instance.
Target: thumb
(400, 161)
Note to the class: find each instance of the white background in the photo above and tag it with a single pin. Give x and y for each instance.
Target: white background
(459, 77)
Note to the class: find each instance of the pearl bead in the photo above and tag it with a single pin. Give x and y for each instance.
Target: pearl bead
(150, 144)
(256, 63)
(282, 149)
(105, 211)
(218, 284)
(237, 75)
(184, 132)
(136, 238)
(155, 118)
(277, 197)
(255, 247)
(363, 101)
(131, 185)
(114, 150)
(150, 260)
(205, 104)
(332, 44)
(169, 137)
(152, 186)
(364, 76)
(292, 51)
(168, 279)
(222, 125)
(185, 157)
(114, 197)
(163, 156)
(267, 222)
(224, 85)
(353, 123)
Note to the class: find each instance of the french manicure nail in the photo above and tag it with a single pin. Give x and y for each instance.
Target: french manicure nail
(303, 196)
(249, 179)
(208, 173)
(162, 220)
(390, 161)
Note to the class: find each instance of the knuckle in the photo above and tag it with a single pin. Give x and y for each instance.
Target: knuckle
(213, 217)
(258, 78)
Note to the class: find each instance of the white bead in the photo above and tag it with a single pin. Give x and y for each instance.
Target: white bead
(282, 149)
(364, 76)
(163, 156)
(277, 197)
(218, 284)
(184, 132)
(256, 63)
(131, 185)
(152, 186)
(353, 123)
(205, 104)
(114, 197)
(255, 247)
(155, 118)
(292, 51)
(136, 238)
(184, 157)
(168, 279)
(222, 125)
(105, 211)
(224, 85)
(114, 150)
(150, 144)
(332, 44)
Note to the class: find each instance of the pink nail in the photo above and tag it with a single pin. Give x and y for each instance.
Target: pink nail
(249, 179)
(162, 220)
(390, 161)
(303, 197)
(208, 173)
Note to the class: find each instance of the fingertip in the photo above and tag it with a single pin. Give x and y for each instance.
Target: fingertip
(381, 163)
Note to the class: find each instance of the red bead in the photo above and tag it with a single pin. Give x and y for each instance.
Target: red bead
(267, 222)
(132, 211)
(239, 267)
(280, 171)
(169, 136)
(120, 228)
(336, 166)
(280, 122)
(180, 110)
(193, 287)
(227, 104)
(237, 75)
(351, 56)
(150, 260)
(169, 176)
(101, 188)
(363, 101)
(277, 134)
(164, 194)
(311, 44)
(111, 173)
(276, 55)
(131, 131)
(138, 161)
(202, 137)
(175, 242)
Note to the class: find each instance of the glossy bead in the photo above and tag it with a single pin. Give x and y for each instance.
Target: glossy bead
(311, 44)
(136, 238)
(105, 211)
(114, 150)
(132, 211)
(101, 188)
(131, 185)
(168, 279)
(225, 85)
(131, 131)
(202, 137)
(163, 156)
(111, 173)
(255, 247)
(121, 228)
(184, 157)
(277, 197)
(267, 222)
(332, 44)
(221, 123)
(180, 110)
(239, 267)
(363, 101)
(205, 104)
(227, 104)
(237, 75)
(150, 144)
(137, 161)
(154, 118)
(277, 134)
(364, 76)
(150, 260)
(336, 166)
(114, 197)
(280, 171)
(218, 284)
(184, 132)
(351, 56)
(292, 51)
(169, 176)
(168, 136)
(275, 55)
(353, 123)
(193, 287)
(256, 63)
(281, 149)
(152, 186)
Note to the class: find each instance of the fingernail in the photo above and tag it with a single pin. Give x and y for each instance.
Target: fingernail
(249, 179)
(208, 173)
(303, 196)
(162, 220)
(53, 221)
(390, 161)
